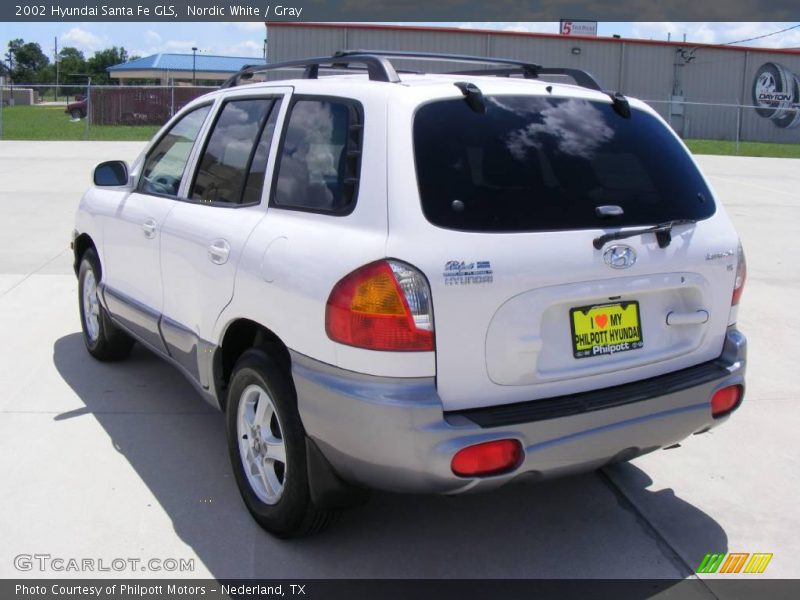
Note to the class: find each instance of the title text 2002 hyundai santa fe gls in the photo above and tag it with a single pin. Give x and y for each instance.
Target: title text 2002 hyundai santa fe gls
(419, 282)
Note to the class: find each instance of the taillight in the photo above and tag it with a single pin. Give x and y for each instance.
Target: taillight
(489, 458)
(725, 400)
(741, 275)
(385, 305)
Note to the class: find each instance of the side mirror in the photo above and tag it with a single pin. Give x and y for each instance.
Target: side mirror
(113, 173)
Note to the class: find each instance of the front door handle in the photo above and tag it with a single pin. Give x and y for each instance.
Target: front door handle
(149, 227)
(219, 251)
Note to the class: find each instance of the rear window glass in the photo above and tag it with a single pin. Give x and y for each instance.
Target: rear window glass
(543, 164)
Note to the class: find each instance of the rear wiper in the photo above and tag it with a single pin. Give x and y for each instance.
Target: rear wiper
(663, 233)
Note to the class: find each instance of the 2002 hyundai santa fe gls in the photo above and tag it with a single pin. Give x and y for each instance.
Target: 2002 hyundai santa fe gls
(419, 282)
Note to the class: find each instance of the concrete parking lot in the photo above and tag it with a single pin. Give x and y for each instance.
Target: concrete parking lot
(124, 460)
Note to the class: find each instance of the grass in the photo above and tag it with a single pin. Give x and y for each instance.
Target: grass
(52, 123)
(728, 148)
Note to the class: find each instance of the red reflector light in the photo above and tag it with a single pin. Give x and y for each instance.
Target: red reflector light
(725, 400)
(489, 458)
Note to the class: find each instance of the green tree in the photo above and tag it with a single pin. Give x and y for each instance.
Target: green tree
(30, 64)
(71, 62)
(103, 59)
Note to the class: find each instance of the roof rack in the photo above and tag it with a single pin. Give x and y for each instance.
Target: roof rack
(581, 78)
(380, 68)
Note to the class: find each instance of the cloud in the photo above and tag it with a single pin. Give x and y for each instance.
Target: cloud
(152, 37)
(721, 33)
(249, 26)
(82, 39)
(525, 27)
(245, 48)
(533, 27)
(181, 46)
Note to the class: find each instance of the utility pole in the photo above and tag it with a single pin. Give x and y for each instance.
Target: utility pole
(194, 66)
(10, 57)
(88, 107)
(57, 62)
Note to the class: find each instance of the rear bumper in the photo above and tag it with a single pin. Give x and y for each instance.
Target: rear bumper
(392, 434)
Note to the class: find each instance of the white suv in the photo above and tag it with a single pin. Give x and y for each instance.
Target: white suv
(419, 282)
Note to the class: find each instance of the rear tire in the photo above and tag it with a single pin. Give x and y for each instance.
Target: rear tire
(75, 114)
(267, 447)
(104, 340)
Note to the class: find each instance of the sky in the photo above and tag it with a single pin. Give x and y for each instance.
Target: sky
(247, 39)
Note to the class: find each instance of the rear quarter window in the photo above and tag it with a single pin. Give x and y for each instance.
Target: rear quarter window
(544, 164)
(320, 156)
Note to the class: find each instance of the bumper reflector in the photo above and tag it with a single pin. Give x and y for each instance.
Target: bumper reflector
(489, 458)
(725, 400)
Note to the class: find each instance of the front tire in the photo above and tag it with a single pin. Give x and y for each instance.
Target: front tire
(76, 114)
(103, 339)
(266, 443)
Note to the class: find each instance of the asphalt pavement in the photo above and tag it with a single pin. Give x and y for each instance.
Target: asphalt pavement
(125, 461)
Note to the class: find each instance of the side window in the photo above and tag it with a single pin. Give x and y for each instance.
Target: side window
(258, 167)
(232, 166)
(320, 157)
(164, 166)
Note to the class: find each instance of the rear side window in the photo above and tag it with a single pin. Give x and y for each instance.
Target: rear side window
(545, 164)
(231, 168)
(166, 162)
(320, 156)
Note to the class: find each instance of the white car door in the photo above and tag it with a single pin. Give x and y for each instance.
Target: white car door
(132, 236)
(205, 233)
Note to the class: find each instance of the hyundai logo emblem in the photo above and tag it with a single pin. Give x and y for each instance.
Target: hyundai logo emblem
(620, 257)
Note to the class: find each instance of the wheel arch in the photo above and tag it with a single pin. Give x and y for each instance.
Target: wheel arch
(239, 336)
(80, 245)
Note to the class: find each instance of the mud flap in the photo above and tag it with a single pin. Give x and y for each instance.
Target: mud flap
(326, 488)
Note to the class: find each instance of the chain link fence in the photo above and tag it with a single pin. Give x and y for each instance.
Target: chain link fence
(111, 112)
(89, 112)
(736, 123)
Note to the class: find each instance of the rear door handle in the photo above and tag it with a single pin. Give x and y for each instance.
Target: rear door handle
(697, 317)
(149, 227)
(219, 251)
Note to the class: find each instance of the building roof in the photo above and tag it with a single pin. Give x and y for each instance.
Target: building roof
(184, 62)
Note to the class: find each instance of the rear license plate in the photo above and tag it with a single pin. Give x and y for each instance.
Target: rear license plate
(605, 329)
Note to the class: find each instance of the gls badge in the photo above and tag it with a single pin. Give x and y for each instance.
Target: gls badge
(620, 256)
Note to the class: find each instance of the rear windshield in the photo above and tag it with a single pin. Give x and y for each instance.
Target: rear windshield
(543, 164)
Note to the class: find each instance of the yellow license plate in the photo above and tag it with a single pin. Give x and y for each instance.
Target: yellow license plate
(606, 329)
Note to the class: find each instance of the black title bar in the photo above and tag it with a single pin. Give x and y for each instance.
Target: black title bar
(392, 10)
(391, 589)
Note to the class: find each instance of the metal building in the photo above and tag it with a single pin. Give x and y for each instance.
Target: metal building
(704, 91)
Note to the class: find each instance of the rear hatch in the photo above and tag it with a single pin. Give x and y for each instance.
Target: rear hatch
(525, 306)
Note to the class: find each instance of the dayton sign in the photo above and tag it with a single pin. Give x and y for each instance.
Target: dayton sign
(776, 94)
